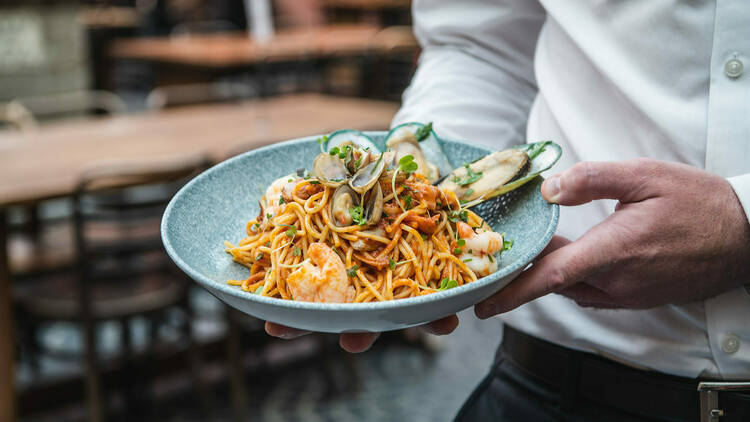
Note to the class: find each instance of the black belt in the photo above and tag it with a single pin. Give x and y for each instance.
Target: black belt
(579, 375)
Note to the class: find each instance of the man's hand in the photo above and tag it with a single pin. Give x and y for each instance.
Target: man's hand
(360, 342)
(678, 234)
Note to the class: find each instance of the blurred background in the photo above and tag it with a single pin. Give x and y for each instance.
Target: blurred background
(108, 107)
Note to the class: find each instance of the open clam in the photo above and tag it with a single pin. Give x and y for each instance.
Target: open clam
(330, 170)
(368, 175)
(344, 198)
(372, 204)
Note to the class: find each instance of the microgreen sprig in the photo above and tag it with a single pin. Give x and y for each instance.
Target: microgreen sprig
(407, 165)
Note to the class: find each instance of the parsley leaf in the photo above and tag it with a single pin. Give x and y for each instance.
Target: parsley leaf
(391, 263)
(507, 244)
(321, 141)
(407, 200)
(269, 215)
(291, 232)
(352, 272)
(423, 132)
(357, 214)
(447, 283)
(281, 200)
(407, 164)
(314, 182)
(471, 176)
(457, 251)
(334, 151)
(297, 251)
(461, 242)
(455, 216)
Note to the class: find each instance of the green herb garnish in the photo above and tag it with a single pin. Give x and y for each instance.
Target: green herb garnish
(357, 214)
(391, 263)
(259, 257)
(457, 251)
(467, 260)
(423, 132)
(334, 151)
(291, 232)
(461, 242)
(507, 244)
(447, 283)
(352, 272)
(314, 182)
(407, 200)
(296, 251)
(281, 200)
(269, 215)
(322, 140)
(537, 149)
(407, 164)
(471, 176)
(455, 216)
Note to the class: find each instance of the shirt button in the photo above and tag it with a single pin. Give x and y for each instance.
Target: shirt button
(730, 344)
(734, 68)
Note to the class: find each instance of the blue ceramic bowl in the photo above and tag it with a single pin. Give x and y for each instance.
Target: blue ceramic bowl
(216, 205)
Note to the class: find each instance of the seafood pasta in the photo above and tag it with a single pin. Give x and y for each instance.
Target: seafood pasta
(368, 226)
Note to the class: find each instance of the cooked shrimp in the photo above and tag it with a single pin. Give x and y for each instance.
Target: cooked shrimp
(479, 248)
(322, 278)
(273, 194)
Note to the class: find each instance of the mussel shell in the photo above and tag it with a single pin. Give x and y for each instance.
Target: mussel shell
(368, 175)
(330, 170)
(431, 146)
(354, 137)
(372, 202)
(497, 169)
(343, 199)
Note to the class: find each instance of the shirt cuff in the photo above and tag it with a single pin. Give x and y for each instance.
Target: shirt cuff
(741, 186)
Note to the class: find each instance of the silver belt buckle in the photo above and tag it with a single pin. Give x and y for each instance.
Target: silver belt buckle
(709, 397)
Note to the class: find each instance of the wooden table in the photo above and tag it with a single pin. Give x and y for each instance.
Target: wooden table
(237, 49)
(46, 164)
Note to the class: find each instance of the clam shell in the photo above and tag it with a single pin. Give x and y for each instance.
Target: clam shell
(330, 170)
(343, 199)
(368, 175)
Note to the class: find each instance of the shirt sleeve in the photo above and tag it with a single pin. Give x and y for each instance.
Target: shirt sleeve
(475, 79)
(741, 186)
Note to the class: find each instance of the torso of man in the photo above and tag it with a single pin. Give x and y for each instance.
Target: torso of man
(614, 80)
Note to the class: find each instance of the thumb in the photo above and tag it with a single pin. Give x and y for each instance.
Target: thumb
(626, 181)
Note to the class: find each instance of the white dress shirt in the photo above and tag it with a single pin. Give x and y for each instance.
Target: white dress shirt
(608, 80)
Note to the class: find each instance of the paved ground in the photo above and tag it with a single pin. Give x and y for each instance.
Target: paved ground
(396, 381)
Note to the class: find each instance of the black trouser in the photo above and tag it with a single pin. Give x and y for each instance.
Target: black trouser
(535, 380)
(507, 394)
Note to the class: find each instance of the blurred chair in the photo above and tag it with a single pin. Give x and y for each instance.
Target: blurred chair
(16, 116)
(74, 103)
(188, 94)
(122, 273)
(26, 112)
(203, 27)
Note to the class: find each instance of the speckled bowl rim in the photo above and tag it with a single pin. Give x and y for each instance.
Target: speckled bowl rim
(225, 288)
